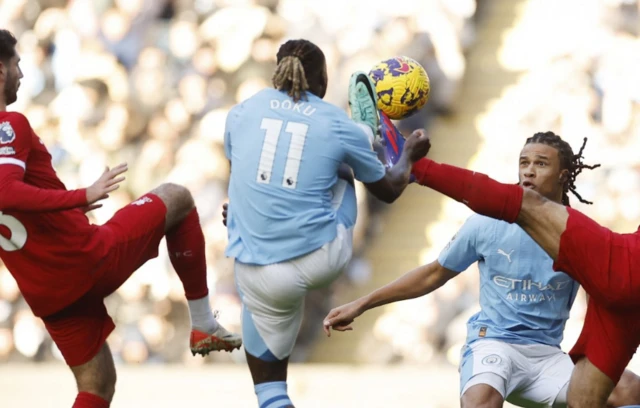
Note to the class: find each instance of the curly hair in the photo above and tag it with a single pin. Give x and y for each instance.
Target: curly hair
(300, 69)
(568, 161)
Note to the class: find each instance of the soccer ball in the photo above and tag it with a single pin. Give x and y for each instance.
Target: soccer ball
(402, 85)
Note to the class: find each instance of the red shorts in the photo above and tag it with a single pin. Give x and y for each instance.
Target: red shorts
(134, 234)
(609, 339)
(603, 262)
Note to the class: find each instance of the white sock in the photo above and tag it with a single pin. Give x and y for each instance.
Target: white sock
(201, 315)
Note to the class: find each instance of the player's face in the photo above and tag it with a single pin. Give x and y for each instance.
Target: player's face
(11, 74)
(540, 170)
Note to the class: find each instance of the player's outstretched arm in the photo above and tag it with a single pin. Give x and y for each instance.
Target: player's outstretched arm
(391, 186)
(413, 284)
(17, 195)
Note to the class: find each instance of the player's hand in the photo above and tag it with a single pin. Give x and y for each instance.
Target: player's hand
(417, 145)
(340, 318)
(225, 208)
(109, 181)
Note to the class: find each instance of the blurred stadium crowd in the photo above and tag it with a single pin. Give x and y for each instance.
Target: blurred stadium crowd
(150, 81)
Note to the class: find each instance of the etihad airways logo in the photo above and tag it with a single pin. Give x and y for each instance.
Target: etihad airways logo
(528, 284)
(537, 291)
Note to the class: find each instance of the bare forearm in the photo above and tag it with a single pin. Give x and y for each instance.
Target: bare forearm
(413, 284)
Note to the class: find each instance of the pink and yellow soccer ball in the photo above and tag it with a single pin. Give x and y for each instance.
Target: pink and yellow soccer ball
(402, 85)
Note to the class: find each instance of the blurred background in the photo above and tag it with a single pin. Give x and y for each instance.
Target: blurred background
(150, 82)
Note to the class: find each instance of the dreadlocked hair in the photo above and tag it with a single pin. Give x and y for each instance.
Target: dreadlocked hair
(300, 69)
(569, 161)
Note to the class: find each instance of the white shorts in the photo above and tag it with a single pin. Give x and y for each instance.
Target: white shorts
(273, 295)
(522, 374)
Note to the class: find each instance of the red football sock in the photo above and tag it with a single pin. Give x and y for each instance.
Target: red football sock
(88, 400)
(476, 190)
(185, 243)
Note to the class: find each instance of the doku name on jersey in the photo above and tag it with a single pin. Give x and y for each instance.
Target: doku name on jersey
(299, 107)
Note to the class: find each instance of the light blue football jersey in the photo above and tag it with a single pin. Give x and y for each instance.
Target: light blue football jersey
(284, 164)
(522, 299)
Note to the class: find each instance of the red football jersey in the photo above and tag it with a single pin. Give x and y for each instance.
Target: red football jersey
(46, 240)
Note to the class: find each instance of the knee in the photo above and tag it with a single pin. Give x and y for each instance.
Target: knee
(175, 194)
(177, 199)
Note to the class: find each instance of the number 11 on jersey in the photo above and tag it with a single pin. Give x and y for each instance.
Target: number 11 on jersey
(273, 128)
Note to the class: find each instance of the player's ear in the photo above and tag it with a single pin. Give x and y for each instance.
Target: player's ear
(564, 176)
(4, 69)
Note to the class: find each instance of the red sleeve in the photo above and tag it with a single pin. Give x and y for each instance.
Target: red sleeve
(15, 139)
(15, 194)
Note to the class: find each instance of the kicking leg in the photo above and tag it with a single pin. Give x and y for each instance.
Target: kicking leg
(587, 246)
(542, 219)
(186, 247)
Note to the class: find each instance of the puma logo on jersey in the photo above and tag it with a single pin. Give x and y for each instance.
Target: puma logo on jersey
(141, 201)
(508, 255)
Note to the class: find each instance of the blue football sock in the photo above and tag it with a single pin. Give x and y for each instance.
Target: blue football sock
(272, 394)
